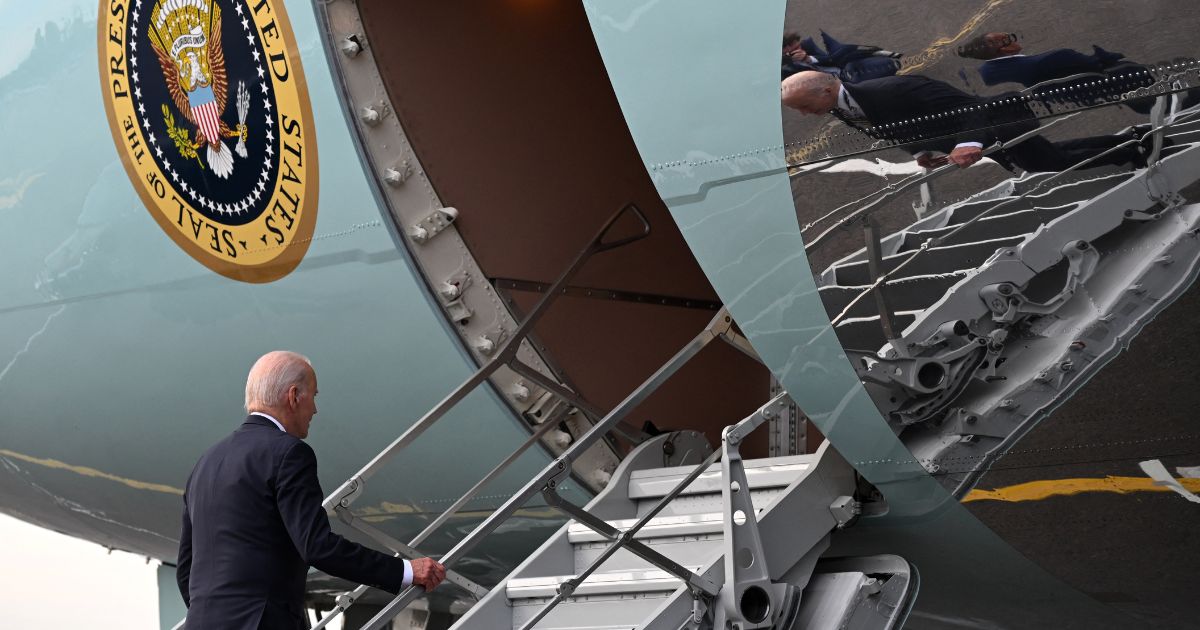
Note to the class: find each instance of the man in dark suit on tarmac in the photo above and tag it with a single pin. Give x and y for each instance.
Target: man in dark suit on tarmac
(253, 521)
(1004, 62)
(925, 116)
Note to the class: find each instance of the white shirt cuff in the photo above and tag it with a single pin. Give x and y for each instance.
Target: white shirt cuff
(407, 574)
(977, 145)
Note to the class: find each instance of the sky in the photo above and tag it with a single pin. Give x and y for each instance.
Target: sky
(49, 580)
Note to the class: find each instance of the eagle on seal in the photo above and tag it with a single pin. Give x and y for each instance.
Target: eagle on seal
(186, 37)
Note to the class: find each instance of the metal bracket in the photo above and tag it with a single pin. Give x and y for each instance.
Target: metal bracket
(1161, 190)
(433, 224)
(1008, 304)
(787, 429)
(345, 494)
(845, 510)
(748, 597)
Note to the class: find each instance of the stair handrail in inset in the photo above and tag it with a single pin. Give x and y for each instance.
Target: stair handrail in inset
(339, 501)
(551, 477)
(881, 279)
(891, 190)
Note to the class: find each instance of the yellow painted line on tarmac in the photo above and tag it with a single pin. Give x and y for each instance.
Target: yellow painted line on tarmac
(90, 472)
(1046, 488)
(943, 45)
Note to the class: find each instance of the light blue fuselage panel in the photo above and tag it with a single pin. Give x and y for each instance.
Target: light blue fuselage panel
(122, 359)
(703, 105)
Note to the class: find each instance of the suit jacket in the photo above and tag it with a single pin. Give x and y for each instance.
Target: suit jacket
(849, 62)
(253, 524)
(924, 114)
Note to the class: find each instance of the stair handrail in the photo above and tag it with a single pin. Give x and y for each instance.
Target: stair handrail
(626, 538)
(338, 502)
(1162, 124)
(892, 190)
(551, 477)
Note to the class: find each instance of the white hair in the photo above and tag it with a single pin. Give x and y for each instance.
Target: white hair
(272, 375)
(808, 82)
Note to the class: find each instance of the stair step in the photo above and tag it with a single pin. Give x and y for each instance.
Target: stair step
(1184, 127)
(967, 211)
(936, 260)
(697, 548)
(1052, 197)
(658, 527)
(614, 583)
(992, 227)
(908, 294)
(1029, 182)
(865, 333)
(624, 611)
(760, 473)
(1075, 192)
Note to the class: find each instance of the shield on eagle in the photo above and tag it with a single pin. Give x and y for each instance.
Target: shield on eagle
(186, 36)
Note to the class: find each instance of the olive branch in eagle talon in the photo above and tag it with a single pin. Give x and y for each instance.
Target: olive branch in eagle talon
(182, 138)
(186, 38)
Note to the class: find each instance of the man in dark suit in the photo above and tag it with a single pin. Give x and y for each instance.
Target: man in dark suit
(849, 62)
(924, 116)
(1003, 62)
(253, 521)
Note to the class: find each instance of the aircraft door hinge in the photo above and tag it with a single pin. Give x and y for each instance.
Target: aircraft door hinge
(432, 225)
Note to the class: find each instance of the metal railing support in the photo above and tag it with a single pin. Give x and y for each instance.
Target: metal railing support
(908, 183)
(567, 588)
(560, 468)
(347, 599)
(887, 317)
(748, 597)
(338, 502)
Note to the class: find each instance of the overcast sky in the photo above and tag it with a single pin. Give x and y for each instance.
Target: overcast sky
(48, 580)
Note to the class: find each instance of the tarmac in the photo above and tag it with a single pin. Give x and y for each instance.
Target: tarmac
(1134, 550)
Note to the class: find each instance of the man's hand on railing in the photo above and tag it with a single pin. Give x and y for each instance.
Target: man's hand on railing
(962, 156)
(926, 159)
(427, 573)
(965, 155)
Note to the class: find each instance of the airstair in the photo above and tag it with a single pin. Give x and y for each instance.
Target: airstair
(979, 315)
(796, 502)
(968, 325)
(722, 543)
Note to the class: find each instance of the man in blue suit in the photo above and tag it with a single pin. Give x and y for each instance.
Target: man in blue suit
(1004, 62)
(253, 521)
(849, 62)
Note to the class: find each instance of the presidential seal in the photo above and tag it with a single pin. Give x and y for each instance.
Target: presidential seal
(208, 107)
